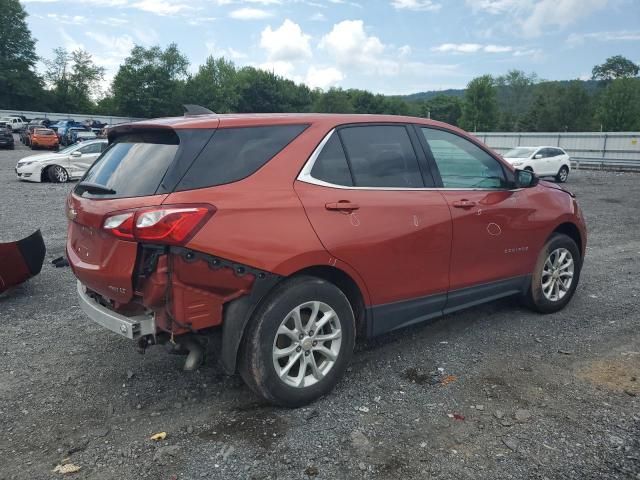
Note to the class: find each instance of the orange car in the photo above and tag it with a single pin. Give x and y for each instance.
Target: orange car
(44, 138)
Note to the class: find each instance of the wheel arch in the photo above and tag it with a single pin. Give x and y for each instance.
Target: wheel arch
(571, 230)
(237, 313)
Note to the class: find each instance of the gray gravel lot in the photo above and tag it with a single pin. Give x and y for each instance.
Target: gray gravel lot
(519, 395)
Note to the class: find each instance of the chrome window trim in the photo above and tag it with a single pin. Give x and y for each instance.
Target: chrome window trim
(305, 176)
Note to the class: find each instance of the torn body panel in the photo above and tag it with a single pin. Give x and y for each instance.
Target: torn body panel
(21, 260)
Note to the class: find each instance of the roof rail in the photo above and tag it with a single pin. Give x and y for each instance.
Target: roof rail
(191, 110)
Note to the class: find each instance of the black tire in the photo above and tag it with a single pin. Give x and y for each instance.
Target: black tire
(534, 297)
(256, 362)
(563, 174)
(57, 174)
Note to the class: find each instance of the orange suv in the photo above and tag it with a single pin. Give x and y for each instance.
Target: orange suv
(43, 138)
(292, 234)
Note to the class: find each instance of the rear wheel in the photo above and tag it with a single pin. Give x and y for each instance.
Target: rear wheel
(556, 275)
(299, 342)
(57, 174)
(563, 174)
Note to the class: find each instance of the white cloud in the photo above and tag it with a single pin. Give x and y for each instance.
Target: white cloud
(248, 13)
(160, 7)
(534, 17)
(323, 77)
(471, 48)
(65, 19)
(618, 36)
(282, 68)
(416, 5)
(349, 44)
(286, 43)
(458, 47)
(559, 13)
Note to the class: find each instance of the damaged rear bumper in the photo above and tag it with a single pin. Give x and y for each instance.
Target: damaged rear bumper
(21, 260)
(130, 327)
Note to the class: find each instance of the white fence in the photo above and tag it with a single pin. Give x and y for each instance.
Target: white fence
(610, 150)
(78, 117)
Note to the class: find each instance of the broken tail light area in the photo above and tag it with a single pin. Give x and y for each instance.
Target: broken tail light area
(167, 225)
(21, 260)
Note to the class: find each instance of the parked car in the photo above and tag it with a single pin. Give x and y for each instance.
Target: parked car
(44, 138)
(77, 135)
(26, 134)
(6, 136)
(14, 122)
(68, 164)
(21, 117)
(291, 234)
(543, 161)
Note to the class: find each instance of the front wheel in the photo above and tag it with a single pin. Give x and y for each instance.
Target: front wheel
(556, 275)
(299, 342)
(563, 174)
(57, 174)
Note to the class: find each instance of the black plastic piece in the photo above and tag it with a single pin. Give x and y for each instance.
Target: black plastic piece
(190, 109)
(33, 250)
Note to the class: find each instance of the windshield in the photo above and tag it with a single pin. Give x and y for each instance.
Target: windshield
(134, 164)
(519, 152)
(69, 149)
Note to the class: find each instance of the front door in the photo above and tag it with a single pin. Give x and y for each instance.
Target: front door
(78, 165)
(491, 227)
(366, 200)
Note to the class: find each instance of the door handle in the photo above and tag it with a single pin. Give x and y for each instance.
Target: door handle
(464, 203)
(342, 205)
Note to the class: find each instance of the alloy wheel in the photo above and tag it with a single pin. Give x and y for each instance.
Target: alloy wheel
(60, 174)
(557, 274)
(307, 344)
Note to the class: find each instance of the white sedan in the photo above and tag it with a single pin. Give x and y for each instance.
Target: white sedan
(62, 166)
(543, 161)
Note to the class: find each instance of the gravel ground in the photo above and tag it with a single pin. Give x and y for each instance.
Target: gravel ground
(492, 392)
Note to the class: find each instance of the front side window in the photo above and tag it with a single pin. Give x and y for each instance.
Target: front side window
(461, 163)
(93, 148)
(381, 156)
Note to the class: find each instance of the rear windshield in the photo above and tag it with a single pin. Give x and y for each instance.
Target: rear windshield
(146, 163)
(43, 131)
(133, 166)
(235, 153)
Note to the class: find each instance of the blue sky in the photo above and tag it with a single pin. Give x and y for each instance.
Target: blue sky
(386, 46)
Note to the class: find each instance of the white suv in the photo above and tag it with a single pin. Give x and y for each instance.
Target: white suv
(543, 161)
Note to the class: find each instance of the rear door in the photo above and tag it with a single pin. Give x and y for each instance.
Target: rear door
(78, 165)
(364, 193)
(492, 227)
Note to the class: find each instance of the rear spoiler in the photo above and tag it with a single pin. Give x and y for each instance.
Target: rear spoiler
(21, 260)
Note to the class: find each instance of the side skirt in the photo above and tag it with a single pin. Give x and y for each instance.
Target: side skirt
(392, 316)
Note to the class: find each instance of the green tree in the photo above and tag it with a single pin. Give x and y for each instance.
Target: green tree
(514, 95)
(215, 86)
(615, 67)
(575, 109)
(444, 108)
(334, 100)
(260, 91)
(480, 108)
(151, 81)
(20, 87)
(620, 106)
(74, 80)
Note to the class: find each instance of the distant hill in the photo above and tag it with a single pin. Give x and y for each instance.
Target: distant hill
(416, 97)
(590, 85)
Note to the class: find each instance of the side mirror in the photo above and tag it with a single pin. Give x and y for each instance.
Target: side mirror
(525, 179)
(537, 156)
(76, 154)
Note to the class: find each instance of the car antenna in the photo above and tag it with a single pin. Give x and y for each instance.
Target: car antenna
(191, 110)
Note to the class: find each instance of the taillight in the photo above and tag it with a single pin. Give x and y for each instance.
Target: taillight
(173, 225)
(120, 225)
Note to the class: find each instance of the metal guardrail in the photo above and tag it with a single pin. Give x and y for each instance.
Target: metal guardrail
(601, 150)
(79, 117)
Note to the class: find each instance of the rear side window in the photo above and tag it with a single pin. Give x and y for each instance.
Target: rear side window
(381, 156)
(134, 165)
(331, 165)
(235, 153)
